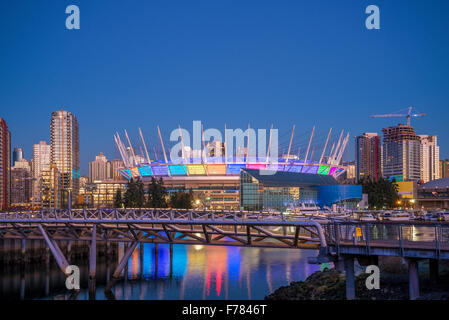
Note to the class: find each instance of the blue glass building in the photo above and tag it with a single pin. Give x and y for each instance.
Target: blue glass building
(260, 190)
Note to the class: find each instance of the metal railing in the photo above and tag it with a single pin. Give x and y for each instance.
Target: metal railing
(401, 236)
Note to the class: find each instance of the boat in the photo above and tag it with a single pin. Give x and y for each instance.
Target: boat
(399, 216)
(367, 217)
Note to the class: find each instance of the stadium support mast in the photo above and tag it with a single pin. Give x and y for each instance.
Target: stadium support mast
(325, 145)
(131, 147)
(310, 142)
(247, 146)
(144, 146)
(334, 155)
(225, 147)
(162, 144)
(121, 149)
(290, 144)
(182, 144)
(204, 146)
(269, 144)
(329, 157)
(342, 149)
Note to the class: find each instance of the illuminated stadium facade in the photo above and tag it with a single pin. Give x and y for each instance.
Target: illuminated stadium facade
(215, 180)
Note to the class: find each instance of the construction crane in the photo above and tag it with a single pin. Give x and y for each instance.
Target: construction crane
(409, 115)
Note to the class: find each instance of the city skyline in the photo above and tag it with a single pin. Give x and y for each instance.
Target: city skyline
(280, 64)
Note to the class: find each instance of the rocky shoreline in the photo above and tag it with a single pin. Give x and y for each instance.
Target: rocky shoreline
(330, 285)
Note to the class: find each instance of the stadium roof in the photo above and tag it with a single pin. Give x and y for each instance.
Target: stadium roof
(291, 179)
(439, 183)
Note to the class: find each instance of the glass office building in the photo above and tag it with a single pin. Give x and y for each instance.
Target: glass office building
(259, 191)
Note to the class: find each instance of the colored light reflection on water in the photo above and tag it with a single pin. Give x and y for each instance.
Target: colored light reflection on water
(215, 272)
(190, 272)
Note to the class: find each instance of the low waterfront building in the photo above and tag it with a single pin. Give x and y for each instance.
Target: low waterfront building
(434, 194)
(100, 194)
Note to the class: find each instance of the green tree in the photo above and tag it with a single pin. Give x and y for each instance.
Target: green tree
(181, 199)
(157, 194)
(118, 201)
(140, 194)
(381, 193)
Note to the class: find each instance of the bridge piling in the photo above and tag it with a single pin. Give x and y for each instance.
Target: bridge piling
(93, 253)
(433, 270)
(54, 248)
(413, 279)
(349, 271)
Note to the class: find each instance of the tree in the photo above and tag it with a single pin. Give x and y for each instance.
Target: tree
(157, 194)
(129, 193)
(134, 194)
(118, 201)
(181, 199)
(381, 193)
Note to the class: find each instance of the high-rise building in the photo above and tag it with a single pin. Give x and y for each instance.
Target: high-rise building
(368, 156)
(401, 153)
(430, 158)
(21, 182)
(64, 154)
(40, 163)
(116, 164)
(50, 191)
(99, 169)
(17, 155)
(5, 165)
(444, 168)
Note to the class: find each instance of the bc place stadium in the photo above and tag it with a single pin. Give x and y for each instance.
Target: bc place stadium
(245, 181)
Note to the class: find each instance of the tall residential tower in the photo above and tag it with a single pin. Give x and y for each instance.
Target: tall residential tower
(401, 153)
(64, 155)
(5, 165)
(368, 156)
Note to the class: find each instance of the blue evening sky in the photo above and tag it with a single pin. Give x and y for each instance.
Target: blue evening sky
(143, 63)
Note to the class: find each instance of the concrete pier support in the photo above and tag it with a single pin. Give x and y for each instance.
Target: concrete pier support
(350, 283)
(413, 278)
(93, 253)
(433, 270)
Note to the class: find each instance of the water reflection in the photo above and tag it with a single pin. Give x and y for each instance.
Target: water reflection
(171, 272)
